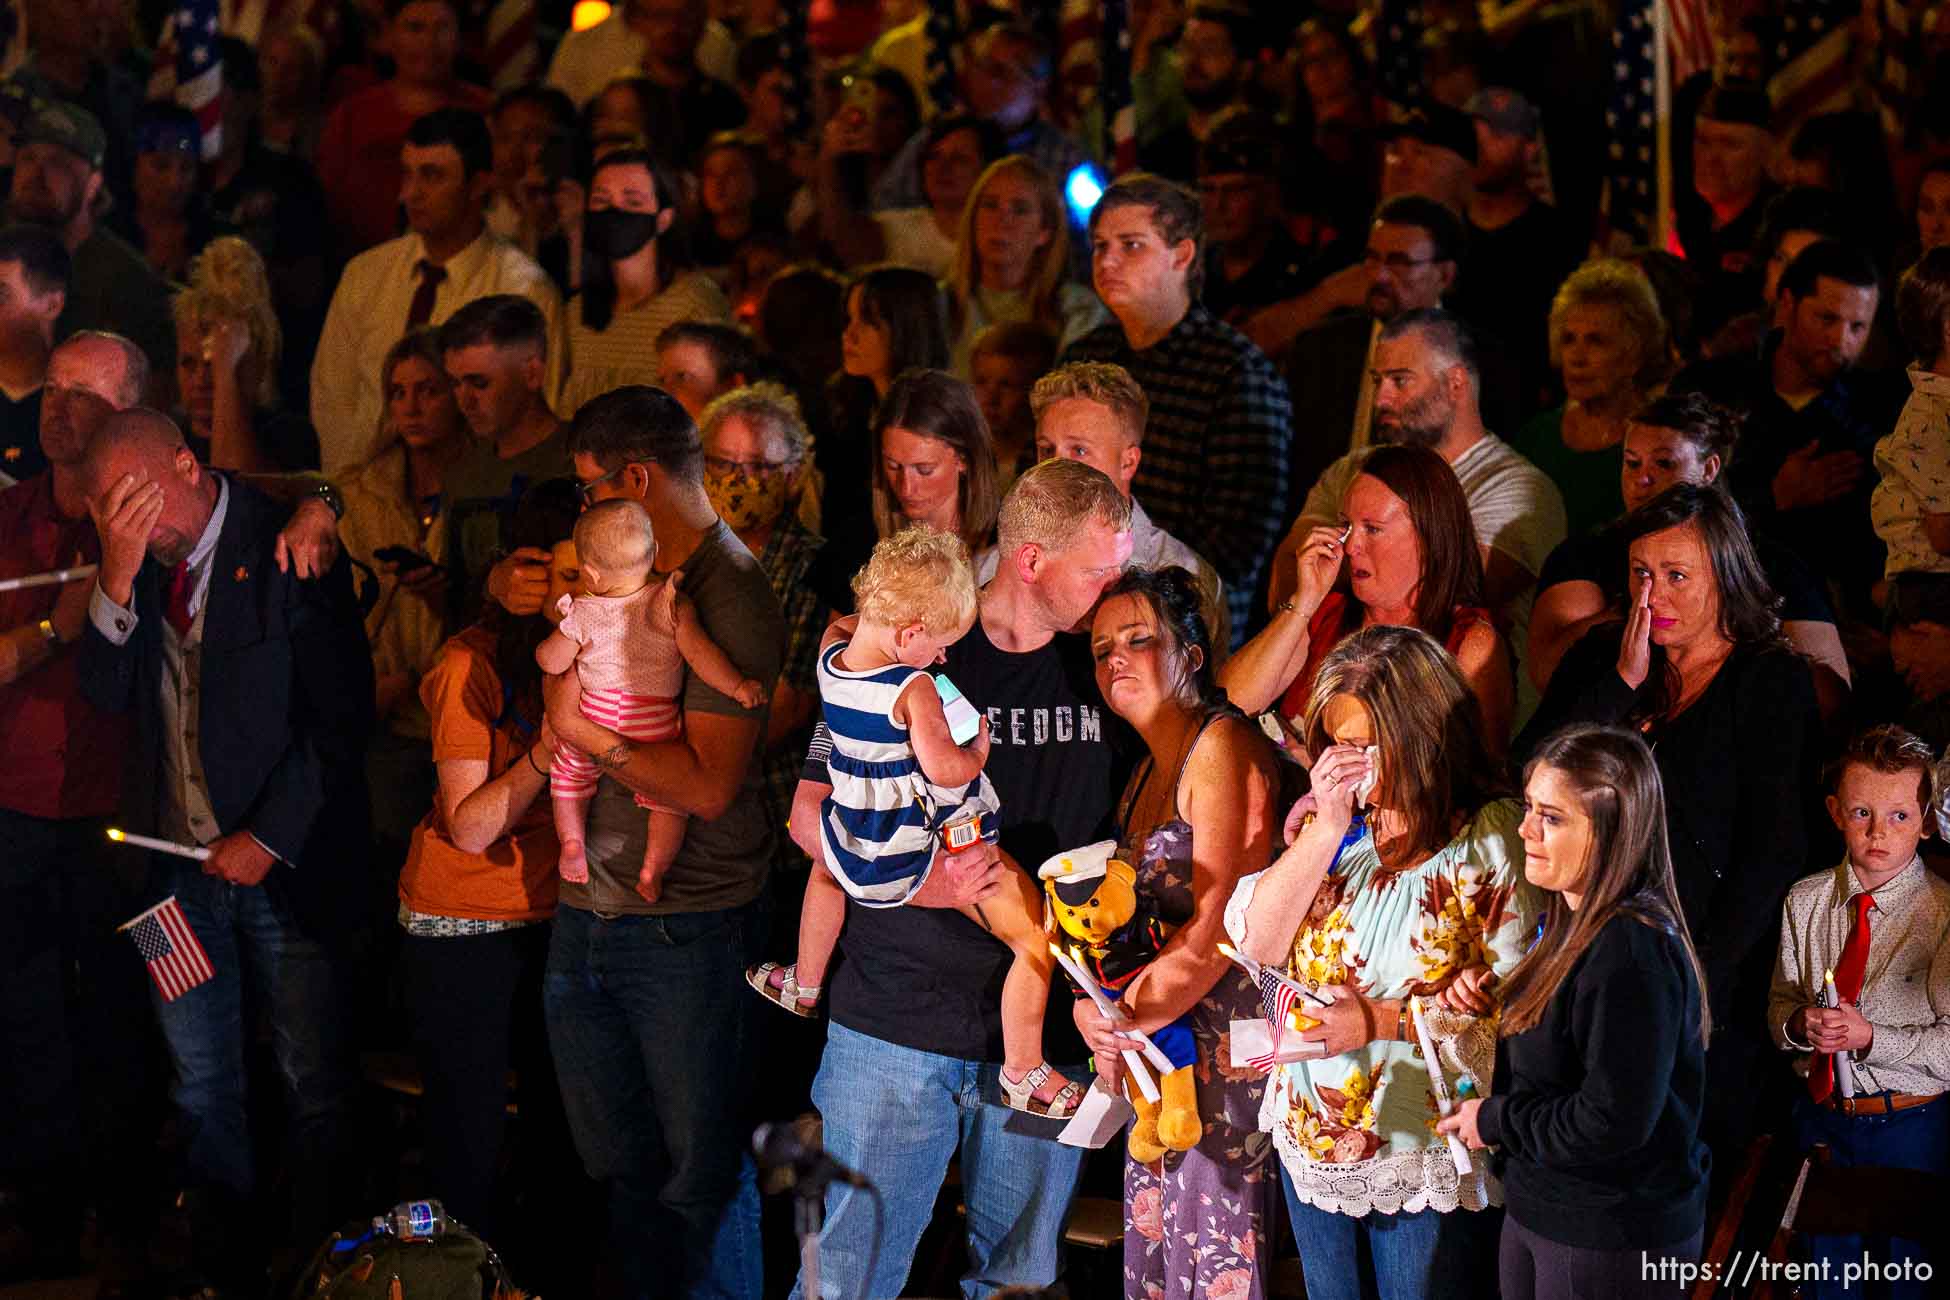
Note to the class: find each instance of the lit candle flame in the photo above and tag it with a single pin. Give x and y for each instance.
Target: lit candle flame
(115, 835)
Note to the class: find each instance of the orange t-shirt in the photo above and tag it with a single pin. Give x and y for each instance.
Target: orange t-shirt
(515, 879)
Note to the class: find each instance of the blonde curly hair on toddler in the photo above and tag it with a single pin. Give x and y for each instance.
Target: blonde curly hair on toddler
(920, 576)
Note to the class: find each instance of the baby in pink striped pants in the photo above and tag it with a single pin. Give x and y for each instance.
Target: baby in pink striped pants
(629, 637)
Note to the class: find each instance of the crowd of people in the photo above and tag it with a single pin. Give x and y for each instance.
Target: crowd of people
(620, 589)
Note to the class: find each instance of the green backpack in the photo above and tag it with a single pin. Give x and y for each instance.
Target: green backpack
(364, 1262)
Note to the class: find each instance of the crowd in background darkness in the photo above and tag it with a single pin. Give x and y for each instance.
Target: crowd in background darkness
(1509, 619)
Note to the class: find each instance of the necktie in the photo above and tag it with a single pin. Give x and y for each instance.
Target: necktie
(1848, 987)
(176, 601)
(430, 277)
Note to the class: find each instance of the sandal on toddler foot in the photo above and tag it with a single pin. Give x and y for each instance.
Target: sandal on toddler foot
(1021, 1094)
(800, 1000)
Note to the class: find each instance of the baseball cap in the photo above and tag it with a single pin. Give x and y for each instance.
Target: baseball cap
(1437, 125)
(1505, 111)
(55, 121)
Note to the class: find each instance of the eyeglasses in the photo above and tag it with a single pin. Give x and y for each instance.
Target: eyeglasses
(755, 468)
(587, 491)
(1396, 261)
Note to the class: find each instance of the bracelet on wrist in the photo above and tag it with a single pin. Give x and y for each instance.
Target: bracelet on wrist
(539, 769)
(1402, 1031)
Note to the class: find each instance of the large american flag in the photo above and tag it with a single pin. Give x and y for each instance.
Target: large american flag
(1813, 58)
(1398, 28)
(1120, 114)
(177, 962)
(1632, 128)
(504, 36)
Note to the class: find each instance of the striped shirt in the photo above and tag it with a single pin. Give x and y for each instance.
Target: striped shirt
(879, 825)
(1214, 473)
(626, 351)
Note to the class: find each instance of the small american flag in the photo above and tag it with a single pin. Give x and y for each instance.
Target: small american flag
(176, 960)
(199, 71)
(1277, 997)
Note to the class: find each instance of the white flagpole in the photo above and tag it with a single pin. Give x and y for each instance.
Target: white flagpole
(1662, 120)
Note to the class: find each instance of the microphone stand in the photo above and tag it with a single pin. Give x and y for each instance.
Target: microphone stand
(808, 1219)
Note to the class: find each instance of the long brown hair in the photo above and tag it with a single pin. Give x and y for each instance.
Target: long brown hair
(935, 404)
(1629, 873)
(1046, 278)
(1427, 725)
(1452, 564)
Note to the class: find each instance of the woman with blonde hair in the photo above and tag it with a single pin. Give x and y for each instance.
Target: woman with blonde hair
(228, 345)
(1012, 261)
(1400, 896)
(1610, 346)
(394, 499)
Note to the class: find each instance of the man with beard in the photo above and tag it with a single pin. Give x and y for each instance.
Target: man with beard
(446, 259)
(1216, 52)
(1813, 419)
(1425, 382)
(57, 184)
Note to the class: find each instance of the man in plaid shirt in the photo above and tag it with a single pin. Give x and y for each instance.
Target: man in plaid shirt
(1214, 473)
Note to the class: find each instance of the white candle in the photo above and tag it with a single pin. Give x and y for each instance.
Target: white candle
(1444, 1104)
(196, 851)
(1844, 1065)
(48, 579)
(1132, 1061)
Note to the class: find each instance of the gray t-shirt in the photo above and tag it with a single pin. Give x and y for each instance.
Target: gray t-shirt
(724, 862)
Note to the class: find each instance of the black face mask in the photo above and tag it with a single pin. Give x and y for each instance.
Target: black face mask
(613, 234)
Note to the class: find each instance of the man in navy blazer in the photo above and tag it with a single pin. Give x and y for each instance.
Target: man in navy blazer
(252, 697)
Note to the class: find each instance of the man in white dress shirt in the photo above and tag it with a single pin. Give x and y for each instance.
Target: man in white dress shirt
(1094, 412)
(446, 260)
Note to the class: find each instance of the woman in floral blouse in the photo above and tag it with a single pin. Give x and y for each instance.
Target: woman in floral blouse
(1402, 882)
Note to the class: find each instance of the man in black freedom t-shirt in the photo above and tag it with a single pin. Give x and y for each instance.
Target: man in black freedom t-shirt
(909, 1071)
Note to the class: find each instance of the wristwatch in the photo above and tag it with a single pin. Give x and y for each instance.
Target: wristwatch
(330, 496)
(50, 633)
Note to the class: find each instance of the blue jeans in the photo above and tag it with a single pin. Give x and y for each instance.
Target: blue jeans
(248, 932)
(1917, 1138)
(1424, 1255)
(896, 1115)
(648, 1018)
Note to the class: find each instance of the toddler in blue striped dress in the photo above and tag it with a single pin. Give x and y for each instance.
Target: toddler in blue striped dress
(904, 787)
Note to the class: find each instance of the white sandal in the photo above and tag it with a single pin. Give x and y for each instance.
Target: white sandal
(1021, 1094)
(800, 1000)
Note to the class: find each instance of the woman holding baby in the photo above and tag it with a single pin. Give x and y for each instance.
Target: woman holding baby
(1400, 895)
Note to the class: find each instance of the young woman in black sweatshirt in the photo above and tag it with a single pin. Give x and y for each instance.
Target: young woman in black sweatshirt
(1600, 1071)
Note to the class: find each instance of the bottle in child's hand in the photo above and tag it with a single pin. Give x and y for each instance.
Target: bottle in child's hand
(963, 721)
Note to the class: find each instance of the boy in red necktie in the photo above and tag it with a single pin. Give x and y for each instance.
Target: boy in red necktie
(1877, 1037)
